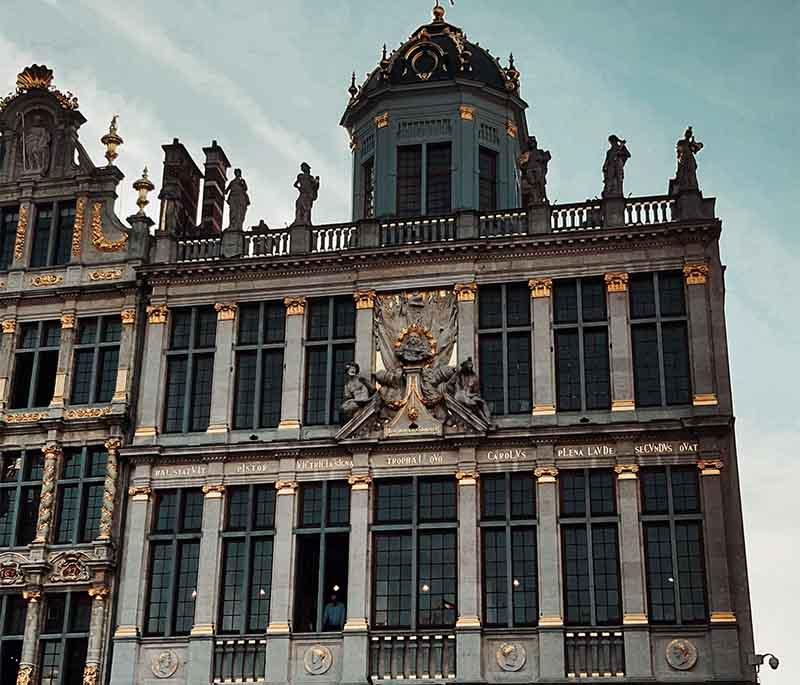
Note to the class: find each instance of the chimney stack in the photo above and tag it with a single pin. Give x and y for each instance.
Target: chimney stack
(180, 191)
(216, 178)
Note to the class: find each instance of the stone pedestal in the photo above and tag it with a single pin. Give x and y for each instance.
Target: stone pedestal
(539, 219)
(613, 212)
(232, 243)
(300, 240)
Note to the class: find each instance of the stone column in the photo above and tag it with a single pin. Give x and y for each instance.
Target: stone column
(201, 640)
(9, 327)
(152, 363)
(700, 341)
(465, 293)
(385, 167)
(97, 634)
(127, 353)
(365, 340)
(634, 600)
(544, 385)
(292, 396)
(223, 368)
(551, 617)
(61, 387)
(278, 630)
(52, 457)
(27, 661)
(468, 625)
(619, 337)
(106, 530)
(355, 661)
(131, 584)
(467, 180)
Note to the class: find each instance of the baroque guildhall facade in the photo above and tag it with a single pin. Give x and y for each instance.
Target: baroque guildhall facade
(469, 435)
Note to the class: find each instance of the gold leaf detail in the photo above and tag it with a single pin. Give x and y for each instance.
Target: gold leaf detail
(99, 240)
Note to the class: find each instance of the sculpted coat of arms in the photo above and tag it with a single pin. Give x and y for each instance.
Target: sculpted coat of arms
(418, 387)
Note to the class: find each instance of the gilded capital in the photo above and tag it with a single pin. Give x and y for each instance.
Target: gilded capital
(226, 311)
(465, 292)
(511, 129)
(140, 492)
(295, 306)
(99, 592)
(710, 467)
(112, 445)
(32, 596)
(627, 471)
(286, 487)
(696, 274)
(128, 317)
(616, 282)
(466, 112)
(359, 482)
(157, 313)
(382, 120)
(467, 477)
(541, 287)
(364, 299)
(51, 450)
(9, 326)
(214, 490)
(546, 474)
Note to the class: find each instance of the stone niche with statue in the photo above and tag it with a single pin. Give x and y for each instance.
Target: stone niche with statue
(420, 387)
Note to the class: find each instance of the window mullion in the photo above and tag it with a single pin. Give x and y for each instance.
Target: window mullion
(51, 241)
(246, 581)
(414, 553)
(95, 369)
(256, 417)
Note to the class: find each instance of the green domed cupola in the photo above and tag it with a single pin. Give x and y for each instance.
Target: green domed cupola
(435, 128)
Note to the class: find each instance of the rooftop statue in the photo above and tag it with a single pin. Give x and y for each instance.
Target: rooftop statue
(533, 165)
(686, 175)
(238, 200)
(308, 187)
(35, 145)
(614, 167)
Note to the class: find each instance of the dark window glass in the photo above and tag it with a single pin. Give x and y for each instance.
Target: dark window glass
(9, 217)
(330, 346)
(35, 364)
(190, 369)
(64, 638)
(568, 370)
(437, 500)
(409, 180)
(95, 360)
(685, 490)
(368, 176)
(438, 178)
(676, 363)
(487, 164)
(393, 501)
(437, 579)
(63, 236)
(42, 230)
(504, 347)
(80, 495)
(646, 365)
(392, 585)
(671, 294)
(20, 487)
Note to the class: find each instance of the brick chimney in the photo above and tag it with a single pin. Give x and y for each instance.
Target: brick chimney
(180, 191)
(216, 178)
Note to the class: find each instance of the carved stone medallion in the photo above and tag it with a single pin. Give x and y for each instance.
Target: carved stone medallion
(69, 567)
(511, 656)
(165, 664)
(681, 654)
(317, 660)
(10, 569)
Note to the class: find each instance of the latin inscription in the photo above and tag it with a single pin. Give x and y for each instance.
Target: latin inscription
(415, 459)
(586, 451)
(512, 454)
(324, 464)
(255, 467)
(180, 471)
(666, 448)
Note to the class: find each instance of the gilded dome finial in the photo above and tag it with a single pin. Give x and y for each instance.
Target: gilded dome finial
(353, 89)
(112, 141)
(143, 186)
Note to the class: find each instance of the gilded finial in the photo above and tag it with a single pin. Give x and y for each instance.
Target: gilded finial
(353, 89)
(438, 12)
(143, 186)
(112, 141)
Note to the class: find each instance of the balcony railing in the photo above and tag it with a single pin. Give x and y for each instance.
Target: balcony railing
(595, 654)
(591, 215)
(429, 656)
(240, 660)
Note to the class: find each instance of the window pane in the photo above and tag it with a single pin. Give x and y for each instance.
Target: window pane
(275, 325)
(437, 579)
(438, 182)
(260, 585)
(28, 514)
(112, 329)
(188, 559)
(82, 376)
(67, 513)
(264, 507)
(691, 571)
(601, 493)
(573, 493)
(201, 391)
(175, 399)
(16, 609)
(232, 594)
(409, 180)
(66, 221)
(523, 498)
(606, 574)
(565, 302)
(676, 363)
(51, 333)
(487, 164)
(45, 378)
(192, 520)
(519, 373)
(107, 374)
(244, 405)
(338, 504)
(23, 375)
(165, 519)
(342, 356)
(576, 576)
(87, 331)
(181, 328)
(654, 491)
(8, 231)
(41, 236)
(248, 315)
(344, 316)
(307, 563)
(437, 500)
(685, 490)
(660, 579)
(316, 385)
(271, 388)
(518, 305)
(392, 584)
(8, 502)
(671, 294)
(495, 577)
(490, 354)
(646, 375)
(493, 497)
(642, 296)
(238, 508)
(91, 517)
(393, 502)
(311, 504)
(161, 556)
(490, 312)
(81, 612)
(206, 327)
(596, 368)
(368, 176)
(318, 318)
(98, 458)
(524, 583)
(593, 299)
(568, 371)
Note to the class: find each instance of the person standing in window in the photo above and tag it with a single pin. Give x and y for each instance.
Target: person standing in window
(333, 616)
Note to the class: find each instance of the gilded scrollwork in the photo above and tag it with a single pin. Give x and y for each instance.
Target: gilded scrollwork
(99, 239)
(77, 227)
(112, 446)
(86, 413)
(69, 567)
(108, 275)
(46, 280)
(22, 228)
(25, 675)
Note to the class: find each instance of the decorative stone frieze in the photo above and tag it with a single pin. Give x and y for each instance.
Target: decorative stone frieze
(69, 567)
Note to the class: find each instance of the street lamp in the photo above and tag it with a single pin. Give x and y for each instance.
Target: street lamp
(757, 660)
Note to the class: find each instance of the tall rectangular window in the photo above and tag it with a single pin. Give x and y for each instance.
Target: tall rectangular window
(322, 538)
(660, 339)
(487, 179)
(368, 176)
(590, 548)
(95, 359)
(580, 327)
(247, 546)
(52, 233)
(504, 347)
(174, 556)
(415, 548)
(64, 638)
(20, 488)
(673, 542)
(190, 369)
(438, 179)
(409, 180)
(13, 610)
(80, 495)
(9, 218)
(508, 535)
(35, 364)
(259, 365)
(330, 346)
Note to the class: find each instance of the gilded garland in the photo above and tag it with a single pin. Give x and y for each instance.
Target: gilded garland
(22, 227)
(77, 228)
(99, 240)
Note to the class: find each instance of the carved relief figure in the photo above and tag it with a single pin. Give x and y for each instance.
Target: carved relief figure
(35, 145)
(686, 175)
(614, 167)
(533, 165)
(238, 200)
(467, 390)
(308, 187)
(358, 391)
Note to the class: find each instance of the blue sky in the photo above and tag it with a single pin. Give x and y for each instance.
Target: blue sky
(268, 80)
